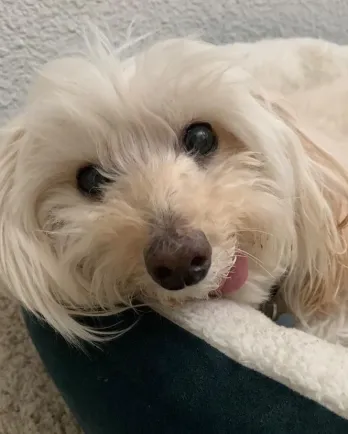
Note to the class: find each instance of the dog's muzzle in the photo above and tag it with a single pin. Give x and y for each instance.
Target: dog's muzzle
(175, 260)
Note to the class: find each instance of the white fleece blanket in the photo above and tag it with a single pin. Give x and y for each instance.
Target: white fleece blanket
(310, 366)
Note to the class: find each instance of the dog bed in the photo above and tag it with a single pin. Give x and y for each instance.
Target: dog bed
(308, 365)
(160, 378)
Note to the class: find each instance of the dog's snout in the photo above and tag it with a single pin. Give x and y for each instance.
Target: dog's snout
(175, 261)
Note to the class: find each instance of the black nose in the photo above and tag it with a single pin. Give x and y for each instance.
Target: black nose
(177, 260)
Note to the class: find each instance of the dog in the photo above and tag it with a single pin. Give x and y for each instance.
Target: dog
(176, 174)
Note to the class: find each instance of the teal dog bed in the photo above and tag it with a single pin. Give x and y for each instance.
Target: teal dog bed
(160, 379)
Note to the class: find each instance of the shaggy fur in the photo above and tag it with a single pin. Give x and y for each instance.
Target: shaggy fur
(276, 189)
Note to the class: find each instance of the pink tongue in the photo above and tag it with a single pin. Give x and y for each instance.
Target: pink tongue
(236, 277)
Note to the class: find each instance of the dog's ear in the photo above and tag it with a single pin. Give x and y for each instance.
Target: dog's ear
(27, 264)
(319, 254)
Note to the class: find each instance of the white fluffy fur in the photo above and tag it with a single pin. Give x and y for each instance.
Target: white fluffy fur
(277, 188)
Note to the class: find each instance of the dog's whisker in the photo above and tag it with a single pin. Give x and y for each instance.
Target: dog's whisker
(257, 261)
(59, 232)
(254, 230)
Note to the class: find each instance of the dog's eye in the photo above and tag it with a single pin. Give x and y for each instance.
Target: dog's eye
(200, 138)
(90, 181)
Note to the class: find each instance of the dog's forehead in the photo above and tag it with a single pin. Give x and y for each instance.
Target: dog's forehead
(146, 99)
(174, 81)
(167, 65)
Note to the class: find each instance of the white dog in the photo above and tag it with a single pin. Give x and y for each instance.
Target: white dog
(175, 175)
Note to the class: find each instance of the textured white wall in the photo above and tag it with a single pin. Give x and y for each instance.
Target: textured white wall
(33, 31)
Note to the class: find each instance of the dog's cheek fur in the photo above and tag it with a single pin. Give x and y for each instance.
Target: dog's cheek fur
(28, 266)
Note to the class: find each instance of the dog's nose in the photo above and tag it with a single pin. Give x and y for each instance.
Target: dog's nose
(178, 260)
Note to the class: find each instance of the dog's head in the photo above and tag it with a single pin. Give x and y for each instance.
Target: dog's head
(166, 177)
